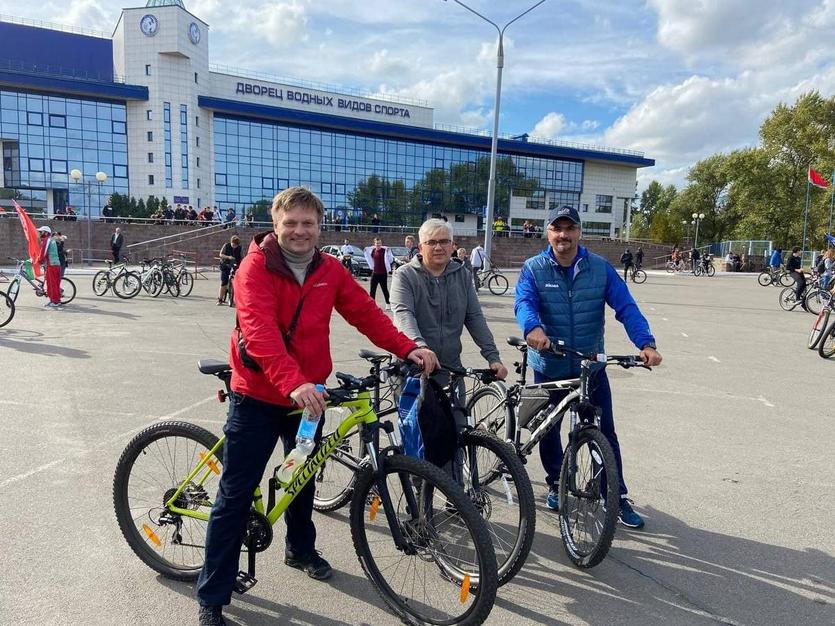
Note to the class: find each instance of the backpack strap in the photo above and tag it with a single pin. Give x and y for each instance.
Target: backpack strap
(287, 336)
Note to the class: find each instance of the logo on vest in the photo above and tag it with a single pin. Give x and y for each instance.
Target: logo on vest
(321, 285)
(553, 285)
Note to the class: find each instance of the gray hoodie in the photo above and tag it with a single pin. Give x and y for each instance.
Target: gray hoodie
(433, 311)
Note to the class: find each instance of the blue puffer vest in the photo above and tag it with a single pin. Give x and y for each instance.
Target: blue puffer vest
(573, 311)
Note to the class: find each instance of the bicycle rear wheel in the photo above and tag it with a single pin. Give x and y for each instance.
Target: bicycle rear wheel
(488, 406)
(497, 285)
(186, 283)
(14, 289)
(447, 572)
(335, 479)
(826, 345)
(816, 300)
(148, 473)
(818, 328)
(67, 291)
(588, 498)
(127, 285)
(101, 283)
(639, 276)
(710, 271)
(786, 279)
(7, 309)
(787, 299)
(497, 483)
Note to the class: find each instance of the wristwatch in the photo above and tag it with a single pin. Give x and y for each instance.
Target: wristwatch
(649, 345)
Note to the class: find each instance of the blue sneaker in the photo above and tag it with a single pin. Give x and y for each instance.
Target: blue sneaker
(553, 499)
(627, 515)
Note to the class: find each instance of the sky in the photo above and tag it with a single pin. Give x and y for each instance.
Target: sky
(676, 79)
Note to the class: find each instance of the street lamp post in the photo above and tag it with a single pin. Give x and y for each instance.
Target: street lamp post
(697, 219)
(491, 185)
(101, 177)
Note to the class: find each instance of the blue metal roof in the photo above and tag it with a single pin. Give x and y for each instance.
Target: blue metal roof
(74, 86)
(413, 133)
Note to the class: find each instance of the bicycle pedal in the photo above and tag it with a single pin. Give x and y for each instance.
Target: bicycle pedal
(244, 582)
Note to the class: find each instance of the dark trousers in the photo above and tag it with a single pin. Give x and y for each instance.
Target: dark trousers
(799, 286)
(626, 271)
(550, 447)
(115, 250)
(475, 271)
(252, 430)
(382, 280)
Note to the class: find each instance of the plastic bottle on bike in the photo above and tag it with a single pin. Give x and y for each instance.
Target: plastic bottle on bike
(305, 441)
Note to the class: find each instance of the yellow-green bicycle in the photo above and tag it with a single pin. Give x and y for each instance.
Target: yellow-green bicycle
(418, 537)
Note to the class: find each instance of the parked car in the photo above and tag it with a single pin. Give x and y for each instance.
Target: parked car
(358, 263)
(401, 256)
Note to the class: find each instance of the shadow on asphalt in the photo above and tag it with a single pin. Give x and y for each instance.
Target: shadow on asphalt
(699, 577)
(34, 347)
(74, 308)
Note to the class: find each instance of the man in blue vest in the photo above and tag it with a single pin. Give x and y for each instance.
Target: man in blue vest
(561, 294)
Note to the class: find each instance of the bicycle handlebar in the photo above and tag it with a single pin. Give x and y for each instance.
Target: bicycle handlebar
(625, 361)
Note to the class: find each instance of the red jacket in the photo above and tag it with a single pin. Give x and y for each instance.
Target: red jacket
(266, 296)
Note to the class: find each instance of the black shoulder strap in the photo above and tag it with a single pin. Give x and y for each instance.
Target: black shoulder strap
(291, 330)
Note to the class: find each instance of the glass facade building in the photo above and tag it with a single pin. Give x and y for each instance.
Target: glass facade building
(45, 137)
(402, 181)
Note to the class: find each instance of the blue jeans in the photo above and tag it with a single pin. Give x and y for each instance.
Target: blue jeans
(252, 430)
(550, 447)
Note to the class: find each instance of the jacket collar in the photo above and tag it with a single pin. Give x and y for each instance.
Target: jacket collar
(582, 253)
(417, 263)
(267, 244)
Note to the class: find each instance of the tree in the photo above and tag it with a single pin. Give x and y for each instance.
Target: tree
(656, 199)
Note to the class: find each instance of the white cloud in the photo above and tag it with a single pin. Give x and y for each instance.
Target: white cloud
(550, 126)
(555, 125)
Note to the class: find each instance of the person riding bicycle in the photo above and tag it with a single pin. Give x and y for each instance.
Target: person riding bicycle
(434, 298)
(347, 254)
(639, 258)
(230, 259)
(793, 267)
(561, 295)
(627, 260)
(285, 292)
(776, 259)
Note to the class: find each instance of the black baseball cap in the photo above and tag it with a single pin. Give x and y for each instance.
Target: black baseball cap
(566, 211)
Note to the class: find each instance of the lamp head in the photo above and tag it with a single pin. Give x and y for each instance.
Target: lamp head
(75, 175)
(101, 177)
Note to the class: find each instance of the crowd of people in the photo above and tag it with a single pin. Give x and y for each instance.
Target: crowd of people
(287, 284)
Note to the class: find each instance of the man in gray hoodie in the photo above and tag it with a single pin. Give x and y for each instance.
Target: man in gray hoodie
(434, 299)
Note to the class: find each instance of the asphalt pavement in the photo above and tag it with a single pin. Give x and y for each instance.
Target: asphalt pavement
(727, 450)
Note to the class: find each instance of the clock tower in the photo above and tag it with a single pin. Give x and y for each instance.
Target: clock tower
(166, 48)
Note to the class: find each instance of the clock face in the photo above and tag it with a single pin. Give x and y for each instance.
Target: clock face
(149, 25)
(194, 33)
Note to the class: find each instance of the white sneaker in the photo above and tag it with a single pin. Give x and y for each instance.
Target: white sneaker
(388, 307)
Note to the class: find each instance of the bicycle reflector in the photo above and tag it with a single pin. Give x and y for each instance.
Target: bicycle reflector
(210, 463)
(465, 589)
(152, 535)
(375, 504)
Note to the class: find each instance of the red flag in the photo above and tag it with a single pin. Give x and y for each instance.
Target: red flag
(31, 233)
(817, 180)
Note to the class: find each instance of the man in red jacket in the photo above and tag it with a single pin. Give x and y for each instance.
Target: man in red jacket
(285, 292)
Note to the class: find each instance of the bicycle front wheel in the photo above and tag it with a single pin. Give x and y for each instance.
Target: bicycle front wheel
(818, 328)
(127, 286)
(786, 279)
(101, 283)
(335, 479)
(826, 346)
(588, 498)
(14, 289)
(186, 283)
(764, 278)
(639, 276)
(816, 299)
(151, 468)
(446, 572)
(67, 291)
(488, 407)
(710, 271)
(497, 285)
(7, 309)
(497, 483)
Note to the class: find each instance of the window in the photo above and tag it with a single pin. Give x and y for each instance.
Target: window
(197, 142)
(58, 166)
(34, 119)
(603, 204)
(197, 121)
(195, 77)
(36, 165)
(184, 145)
(149, 114)
(585, 208)
(600, 229)
(119, 128)
(198, 183)
(150, 179)
(460, 218)
(120, 171)
(58, 121)
(150, 157)
(266, 183)
(166, 133)
(197, 159)
(150, 135)
(147, 69)
(220, 180)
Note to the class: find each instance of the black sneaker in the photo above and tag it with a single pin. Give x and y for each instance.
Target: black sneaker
(211, 616)
(312, 564)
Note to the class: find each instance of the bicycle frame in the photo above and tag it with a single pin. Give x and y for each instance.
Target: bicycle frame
(362, 416)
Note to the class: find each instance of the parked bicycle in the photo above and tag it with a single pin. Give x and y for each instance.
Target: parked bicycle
(490, 472)
(493, 278)
(419, 538)
(776, 276)
(7, 309)
(125, 284)
(23, 274)
(588, 489)
(636, 274)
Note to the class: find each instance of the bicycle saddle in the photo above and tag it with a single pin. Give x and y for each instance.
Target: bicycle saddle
(212, 366)
(374, 357)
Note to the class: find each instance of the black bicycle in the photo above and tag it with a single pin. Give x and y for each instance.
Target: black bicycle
(488, 469)
(7, 309)
(588, 489)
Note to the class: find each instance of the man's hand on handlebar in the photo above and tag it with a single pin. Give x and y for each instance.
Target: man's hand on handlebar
(650, 357)
(425, 358)
(501, 370)
(537, 339)
(307, 397)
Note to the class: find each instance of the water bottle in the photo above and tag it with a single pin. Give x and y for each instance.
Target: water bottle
(305, 441)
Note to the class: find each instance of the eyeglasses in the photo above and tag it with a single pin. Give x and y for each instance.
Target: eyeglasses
(436, 242)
